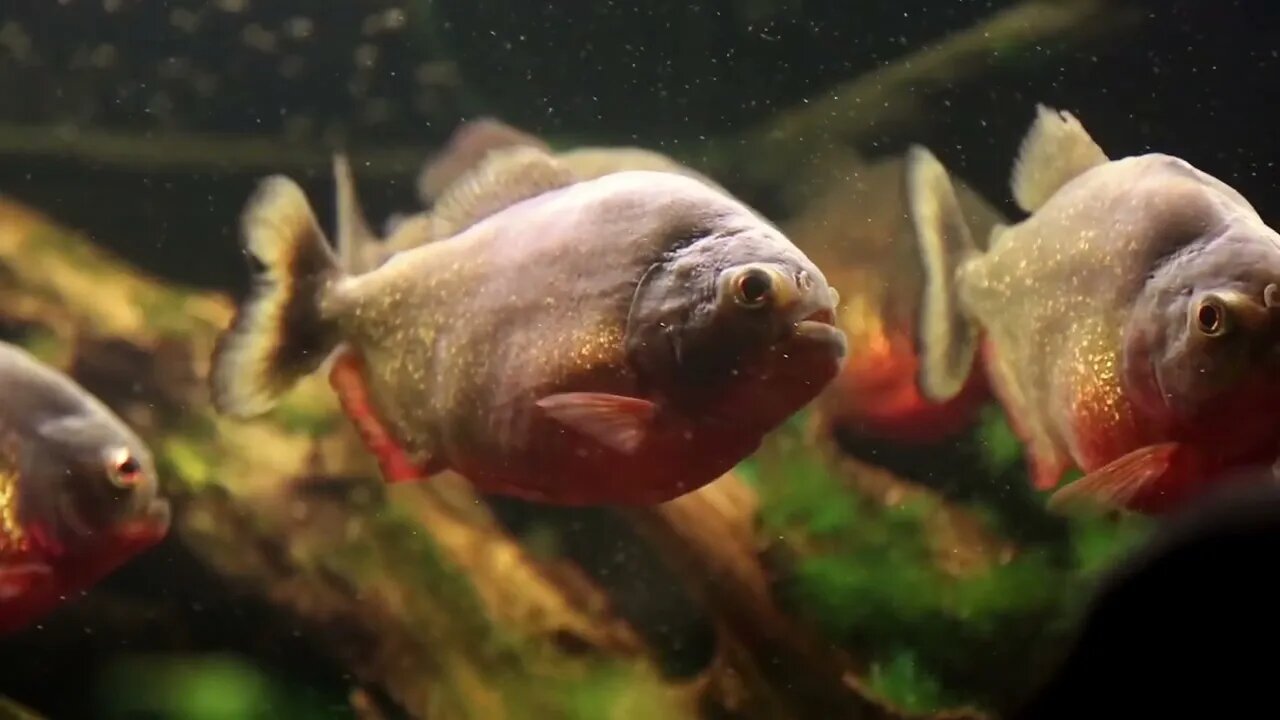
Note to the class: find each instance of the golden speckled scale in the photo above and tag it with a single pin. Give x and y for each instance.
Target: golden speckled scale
(13, 536)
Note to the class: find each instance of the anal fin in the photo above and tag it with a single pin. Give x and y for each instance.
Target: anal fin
(347, 379)
(19, 579)
(1120, 482)
(1047, 468)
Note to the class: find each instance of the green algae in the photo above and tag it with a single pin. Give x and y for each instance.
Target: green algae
(866, 575)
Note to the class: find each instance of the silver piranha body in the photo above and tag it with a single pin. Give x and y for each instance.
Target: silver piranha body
(618, 340)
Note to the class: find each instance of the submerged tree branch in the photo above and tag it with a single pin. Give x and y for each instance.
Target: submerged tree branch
(417, 590)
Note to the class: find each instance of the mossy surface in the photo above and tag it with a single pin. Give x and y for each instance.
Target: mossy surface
(866, 573)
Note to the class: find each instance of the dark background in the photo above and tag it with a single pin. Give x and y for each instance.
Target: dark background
(1198, 79)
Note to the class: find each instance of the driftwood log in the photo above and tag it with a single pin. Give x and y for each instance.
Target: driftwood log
(417, 589)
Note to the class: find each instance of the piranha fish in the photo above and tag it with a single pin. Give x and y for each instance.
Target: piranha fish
(465, 150)
(1130, 325)
(621, 340)
(858, 232)
(78, 490)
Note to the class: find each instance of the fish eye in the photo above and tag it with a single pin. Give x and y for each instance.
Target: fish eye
(1211, 317)
(123, 468)
(754, 288)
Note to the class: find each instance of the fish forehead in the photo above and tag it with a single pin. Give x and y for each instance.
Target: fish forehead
(669, 193)
(32, 393)
(587, 234)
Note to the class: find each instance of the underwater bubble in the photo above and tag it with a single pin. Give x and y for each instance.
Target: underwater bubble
(184, 20)
(258, 38)
(232, 6)
(366, 56)
(299, 27)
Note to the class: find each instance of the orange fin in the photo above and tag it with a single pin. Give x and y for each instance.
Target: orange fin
(347, 380)
(1047, 470)
(616, 421)
(17, 580)
(1118, 483)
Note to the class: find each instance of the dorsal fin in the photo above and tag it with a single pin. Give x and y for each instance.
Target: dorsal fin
(504, 178)
(355, 240)
(1056, 149)
(465, 149)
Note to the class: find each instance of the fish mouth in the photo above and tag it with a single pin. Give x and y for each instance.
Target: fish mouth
(819, 326)
(151, 524)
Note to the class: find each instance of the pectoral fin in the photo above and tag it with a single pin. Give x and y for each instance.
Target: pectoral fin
(619, 422)
(1118, 483)
(18, 580)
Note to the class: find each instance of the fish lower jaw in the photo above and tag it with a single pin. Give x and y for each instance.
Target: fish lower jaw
(150, 526)
(823, 333)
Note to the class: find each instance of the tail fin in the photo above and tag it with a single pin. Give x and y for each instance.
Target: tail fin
(948, 339)
(279, 333)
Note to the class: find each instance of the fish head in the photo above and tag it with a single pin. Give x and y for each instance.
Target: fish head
(739, 310)
(1207, 325)
(97, 483)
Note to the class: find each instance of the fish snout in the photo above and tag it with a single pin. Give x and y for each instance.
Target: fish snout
(1269, 311)
(814, 317)
(150, 523)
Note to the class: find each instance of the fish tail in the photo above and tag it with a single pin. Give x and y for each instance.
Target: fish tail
(280, 333)
(947, 337)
